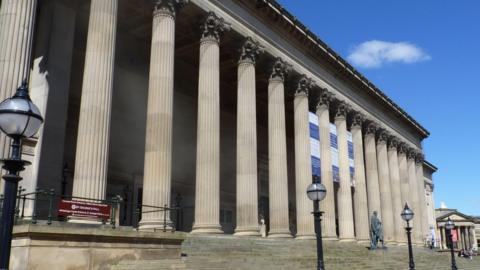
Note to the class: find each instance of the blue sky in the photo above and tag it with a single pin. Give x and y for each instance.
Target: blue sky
(425, 56)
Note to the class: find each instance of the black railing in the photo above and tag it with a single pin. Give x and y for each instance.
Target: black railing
(49, 200)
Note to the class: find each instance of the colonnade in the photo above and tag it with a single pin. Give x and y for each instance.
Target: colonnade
(388, 173)
(465, 237)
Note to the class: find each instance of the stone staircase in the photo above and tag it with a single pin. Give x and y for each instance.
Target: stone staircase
(228, 252)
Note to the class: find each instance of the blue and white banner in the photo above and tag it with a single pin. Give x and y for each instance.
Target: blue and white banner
(315, 150)
(314, 144)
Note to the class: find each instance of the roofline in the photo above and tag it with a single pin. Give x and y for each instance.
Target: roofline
(341, 63)
(430, 165)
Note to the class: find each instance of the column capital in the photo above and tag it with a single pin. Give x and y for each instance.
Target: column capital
(324, 98)
(393, 142)
(250, 51)
(280, 69)
(382, 135)
(370, 127)
(304, 85)
(341, 109)
(402, 147)
(357, 119)
(411, 153)
(168, 7)
(214, 27)
(420, 157)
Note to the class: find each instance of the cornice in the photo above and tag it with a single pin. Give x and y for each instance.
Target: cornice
(304, 35)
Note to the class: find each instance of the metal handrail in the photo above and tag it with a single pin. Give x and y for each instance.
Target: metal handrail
(50, 196)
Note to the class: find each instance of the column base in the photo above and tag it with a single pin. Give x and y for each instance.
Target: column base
(329, 238)
(247, 231)
(306, 237)
(279, 234)
(343, 240)
(207, 229)
(154, 225)
(363, 241)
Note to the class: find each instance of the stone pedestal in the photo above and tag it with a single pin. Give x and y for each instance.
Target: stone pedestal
(277, 153)
(362, 227)
(91, 161)
(303, 169)
(384, 183)
(328, 204)
(345, 210)
(207, 187)
(158, 141)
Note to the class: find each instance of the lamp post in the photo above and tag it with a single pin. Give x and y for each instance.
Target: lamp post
(19, 119)
(449, 225)
(316, 192)
(407, 215)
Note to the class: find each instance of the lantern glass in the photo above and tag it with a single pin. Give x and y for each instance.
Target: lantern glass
(449, 225)
(407, 213)
(316, 191)
(19, 117)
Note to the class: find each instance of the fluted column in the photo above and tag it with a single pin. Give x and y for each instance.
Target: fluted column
(360, 203)
(474, 237)
(157, 171)
(327, 206)
(384, 183)
(395, 186)
(207, 187)
(373, 189)
(413, 189)
(247, 194)
(277, 153)
(344, 201)
(91, 160)
(16, 23)
(303, 169)
(422, 203)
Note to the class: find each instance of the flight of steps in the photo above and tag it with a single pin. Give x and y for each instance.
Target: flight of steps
(228, 252)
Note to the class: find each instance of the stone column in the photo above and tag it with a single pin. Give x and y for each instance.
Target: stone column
(157, 171)
(395, 186)
(344, 201)
(360, 203)
(422, 200)
(403, 172)
(207, 187)
(474, 238)
(329, 231)
(247, 194)
(413, 190)
(373, 189)
(91, 160)
(303, 167)
(384, 183)
(16, 24)
(277, 153)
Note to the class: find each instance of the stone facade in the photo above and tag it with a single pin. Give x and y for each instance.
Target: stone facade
(205, 105)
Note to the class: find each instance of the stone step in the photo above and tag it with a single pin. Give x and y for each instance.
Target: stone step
(227, 252)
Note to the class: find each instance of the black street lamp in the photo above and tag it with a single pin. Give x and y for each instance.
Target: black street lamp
(407, 215)
(449, 225)
(19, 119)
(316, 192)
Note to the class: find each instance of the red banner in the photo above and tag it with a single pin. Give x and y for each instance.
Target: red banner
(454, 236)
(83, 209)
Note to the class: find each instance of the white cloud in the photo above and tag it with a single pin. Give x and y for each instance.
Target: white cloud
(375, 53)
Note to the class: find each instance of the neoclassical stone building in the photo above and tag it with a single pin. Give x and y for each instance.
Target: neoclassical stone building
(206, 104)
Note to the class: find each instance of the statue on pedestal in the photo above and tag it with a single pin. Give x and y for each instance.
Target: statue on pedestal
(376, 231)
